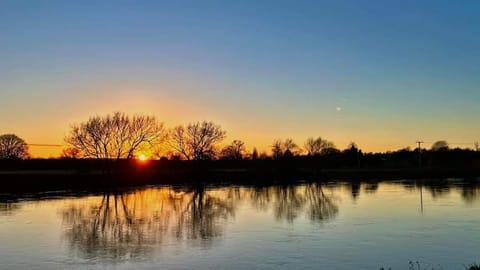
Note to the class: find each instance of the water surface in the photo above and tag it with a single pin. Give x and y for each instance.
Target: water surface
(304, 226)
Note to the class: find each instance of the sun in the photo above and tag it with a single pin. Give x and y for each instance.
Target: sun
(142, 157)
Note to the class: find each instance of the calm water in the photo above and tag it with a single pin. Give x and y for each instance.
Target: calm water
(309, 226)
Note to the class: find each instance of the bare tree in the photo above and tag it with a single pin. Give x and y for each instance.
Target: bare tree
(197, 141)
(70, 153)
(277, 149)
(236, 150)
(13, 147)
(286, 148)
(290, 148)
(115, 136)
(440, 146)
(290, 145)
(317, 146)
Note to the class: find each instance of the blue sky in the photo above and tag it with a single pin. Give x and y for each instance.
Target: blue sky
(381, 73)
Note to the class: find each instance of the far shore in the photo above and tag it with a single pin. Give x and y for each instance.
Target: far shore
(43, 175)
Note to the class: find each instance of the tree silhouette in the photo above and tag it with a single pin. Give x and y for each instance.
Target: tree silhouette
(277, 149)
(70, 153)
(115, 136)
(234, 151)
(196, 141)
(317, 146)
(285, 149)
(440, 146)
(290, 148)
(254, 154)
(352, 154)
(13, 147)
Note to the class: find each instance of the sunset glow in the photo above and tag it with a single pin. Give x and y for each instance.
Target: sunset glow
(142, 157)
(300, 74)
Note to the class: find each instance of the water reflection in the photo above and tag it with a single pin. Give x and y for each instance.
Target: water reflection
(470, 192)
(371, 188)
(355, 187)
(199, 213)
(8, 208)
(120, 226)
(129, 225)
(438, 188)
(113, 228)
(289, 202)
(321, 206)
(133, 225)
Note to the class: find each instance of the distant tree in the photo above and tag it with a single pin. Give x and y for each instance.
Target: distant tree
(290, 147)
(236, 150)
(353, 154)
(313, 146)
(330, 150)
(70, 153)
(196, 141)
(263, 155)
(13, 147)
(173, 156)
(318, 146)
(254, 154)
(277, 149)
(353, 147)
(285, 149)
(115, 136)
(440, 146)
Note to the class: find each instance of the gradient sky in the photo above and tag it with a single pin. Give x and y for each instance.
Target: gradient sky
(380, 73)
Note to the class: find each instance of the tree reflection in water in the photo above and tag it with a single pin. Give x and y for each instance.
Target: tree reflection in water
(113, 228)
(322, 206)
(289, 202)
(133, 225)
(130, 225)
(438, 188)
(470, 192)
(199, 213)
(8, 208)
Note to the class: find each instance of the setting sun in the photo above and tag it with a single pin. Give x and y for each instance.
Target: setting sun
(142, 157)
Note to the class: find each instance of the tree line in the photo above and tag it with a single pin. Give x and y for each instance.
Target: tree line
(120, 136)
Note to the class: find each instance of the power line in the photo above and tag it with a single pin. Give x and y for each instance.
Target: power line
(44, 145)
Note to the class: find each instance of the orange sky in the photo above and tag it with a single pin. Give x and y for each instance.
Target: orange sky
(258, 127)
(383, 75)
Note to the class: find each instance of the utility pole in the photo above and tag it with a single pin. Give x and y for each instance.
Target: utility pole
(419, 153)
(476, 146)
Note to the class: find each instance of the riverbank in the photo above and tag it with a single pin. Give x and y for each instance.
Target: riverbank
(33, 175)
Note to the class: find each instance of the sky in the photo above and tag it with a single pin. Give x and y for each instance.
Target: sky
(383, 74)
